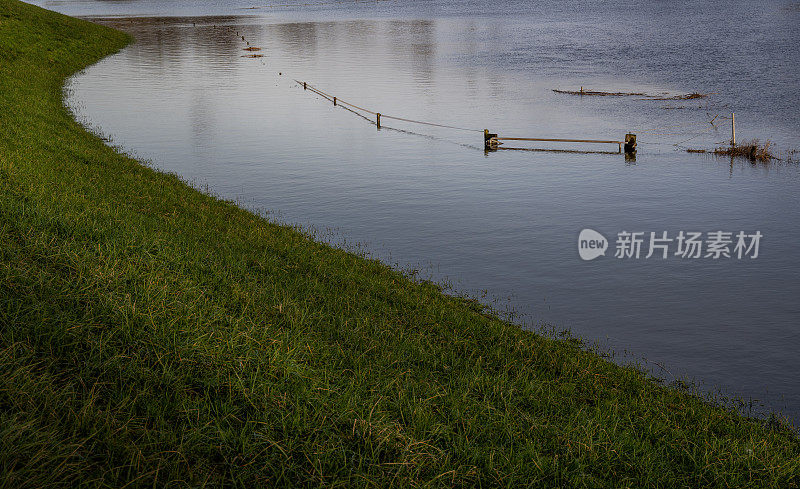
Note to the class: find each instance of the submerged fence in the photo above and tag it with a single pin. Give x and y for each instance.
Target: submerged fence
(491, 141)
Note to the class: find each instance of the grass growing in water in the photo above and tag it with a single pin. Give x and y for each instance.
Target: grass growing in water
(753, 150)
(154, 335)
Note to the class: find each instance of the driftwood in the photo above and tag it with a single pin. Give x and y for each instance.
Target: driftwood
(688, 96)
(600, 93)
(597, 93)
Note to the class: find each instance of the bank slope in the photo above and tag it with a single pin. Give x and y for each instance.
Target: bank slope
(152, 334)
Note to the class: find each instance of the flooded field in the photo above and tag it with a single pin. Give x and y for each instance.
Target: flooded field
(190, 99)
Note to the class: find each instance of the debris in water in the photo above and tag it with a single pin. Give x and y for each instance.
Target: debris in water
(688, 96)
(599, 93)
(252, 56)
(251, 48)
(751, 150)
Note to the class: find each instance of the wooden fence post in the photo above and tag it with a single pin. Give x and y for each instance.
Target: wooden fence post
(489, 140)
(630, 143)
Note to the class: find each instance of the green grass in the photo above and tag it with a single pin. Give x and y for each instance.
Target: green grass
(153, 336)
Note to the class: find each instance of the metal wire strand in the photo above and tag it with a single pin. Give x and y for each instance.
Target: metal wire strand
(413, 121)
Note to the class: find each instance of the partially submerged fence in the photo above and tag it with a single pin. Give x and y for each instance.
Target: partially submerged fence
(491, 141)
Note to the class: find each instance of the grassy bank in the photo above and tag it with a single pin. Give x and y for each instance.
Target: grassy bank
(151, 334)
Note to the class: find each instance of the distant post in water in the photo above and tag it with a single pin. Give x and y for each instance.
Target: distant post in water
(733, 129)
(304, 86)
(334, 101)
(378, 120)
(630, 143)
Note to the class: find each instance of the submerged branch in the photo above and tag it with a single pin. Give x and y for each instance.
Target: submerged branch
(600, 93)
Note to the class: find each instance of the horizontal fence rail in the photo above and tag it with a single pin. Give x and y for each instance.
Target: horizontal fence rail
(492, 141)
(561, 140)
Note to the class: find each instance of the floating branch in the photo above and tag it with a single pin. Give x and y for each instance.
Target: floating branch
(598, 93)
(688, 96)
(251, 48)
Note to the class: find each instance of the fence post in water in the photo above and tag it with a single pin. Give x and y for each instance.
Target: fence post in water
(334, 101)
(378, 120)
(733, 129)
(630, 143)
(304, 86)
(489, 141)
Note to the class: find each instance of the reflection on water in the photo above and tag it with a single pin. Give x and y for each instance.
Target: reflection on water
(507, 221)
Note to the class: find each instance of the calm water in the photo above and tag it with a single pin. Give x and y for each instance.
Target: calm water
(185, 98)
